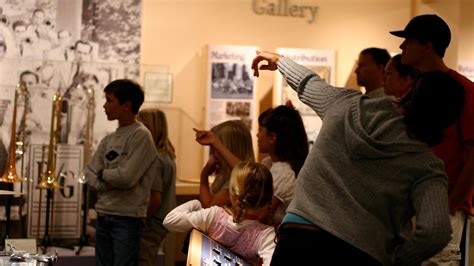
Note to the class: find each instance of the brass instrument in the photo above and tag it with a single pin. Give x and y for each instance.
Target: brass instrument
(84, 240)
(10, 175)
(40, 170)
(22, 133)
(48, 178)
(89, 137)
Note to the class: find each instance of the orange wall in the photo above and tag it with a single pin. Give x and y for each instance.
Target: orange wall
(176, 32)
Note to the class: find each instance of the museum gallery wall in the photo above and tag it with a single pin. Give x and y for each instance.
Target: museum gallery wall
(77, 46)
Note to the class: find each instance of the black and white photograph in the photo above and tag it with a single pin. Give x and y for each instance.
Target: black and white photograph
(239, 109)
(67, 48)
(231, 80)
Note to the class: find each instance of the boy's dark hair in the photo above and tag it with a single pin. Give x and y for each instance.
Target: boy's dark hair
(126, 90)
(424, 116)
(292, 142)
(380, 56)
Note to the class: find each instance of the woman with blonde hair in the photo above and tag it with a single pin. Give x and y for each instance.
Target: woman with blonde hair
(162, 198)
(235, 135)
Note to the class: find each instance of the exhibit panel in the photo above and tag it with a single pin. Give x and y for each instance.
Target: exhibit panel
(323, 63)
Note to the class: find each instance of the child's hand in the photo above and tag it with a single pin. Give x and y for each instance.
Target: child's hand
(204, 137)
(211, 166)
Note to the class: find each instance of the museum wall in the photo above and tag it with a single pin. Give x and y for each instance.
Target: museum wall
(175, 33)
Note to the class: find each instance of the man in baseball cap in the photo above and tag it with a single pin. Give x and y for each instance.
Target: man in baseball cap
(426, 40)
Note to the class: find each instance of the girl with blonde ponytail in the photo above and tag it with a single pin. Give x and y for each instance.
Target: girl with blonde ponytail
(237, 227)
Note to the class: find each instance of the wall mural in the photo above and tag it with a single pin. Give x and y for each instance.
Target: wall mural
(67, 48)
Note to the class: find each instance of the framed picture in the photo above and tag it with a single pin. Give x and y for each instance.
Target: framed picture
(158, 87)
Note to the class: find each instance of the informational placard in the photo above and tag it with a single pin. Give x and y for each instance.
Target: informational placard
(466, 68)
(205, 251)
(231, 85)
(323, 63)
(158, 87)
(231, 91)
(65, 203)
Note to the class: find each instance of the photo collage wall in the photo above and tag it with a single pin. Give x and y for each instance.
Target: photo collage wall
(71, 49)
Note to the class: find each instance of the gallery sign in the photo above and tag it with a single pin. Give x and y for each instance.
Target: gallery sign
(284, 8)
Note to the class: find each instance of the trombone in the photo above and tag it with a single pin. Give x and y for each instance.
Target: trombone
(48, 178)
(84, 240)
(10, 175)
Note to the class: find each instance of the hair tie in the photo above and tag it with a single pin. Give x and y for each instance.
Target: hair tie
(289, 104)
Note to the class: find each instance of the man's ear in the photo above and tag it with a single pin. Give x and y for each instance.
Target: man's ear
(428, 47)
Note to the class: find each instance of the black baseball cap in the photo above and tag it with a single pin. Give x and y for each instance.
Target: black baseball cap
(427, 28)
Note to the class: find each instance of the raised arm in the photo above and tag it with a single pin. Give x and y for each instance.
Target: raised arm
(221, 198)
(312, 89)
(205, 137)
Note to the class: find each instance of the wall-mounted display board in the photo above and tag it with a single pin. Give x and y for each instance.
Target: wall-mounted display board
(231, 90)
(466, 68)
(231, 85)
(323, 63)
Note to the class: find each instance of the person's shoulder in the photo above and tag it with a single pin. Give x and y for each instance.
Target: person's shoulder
(140, 129)
(282, 168)
(164, 157)
(465, 82)
(267, 161)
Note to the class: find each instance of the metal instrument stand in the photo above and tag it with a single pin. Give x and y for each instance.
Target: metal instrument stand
(46, 241)
(9, 193)
(8, 213)
(84, 240)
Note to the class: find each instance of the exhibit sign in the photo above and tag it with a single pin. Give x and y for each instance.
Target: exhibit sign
(230, 86)
(323, 63)
(158, 87)
(285, 8)
(466, 68)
